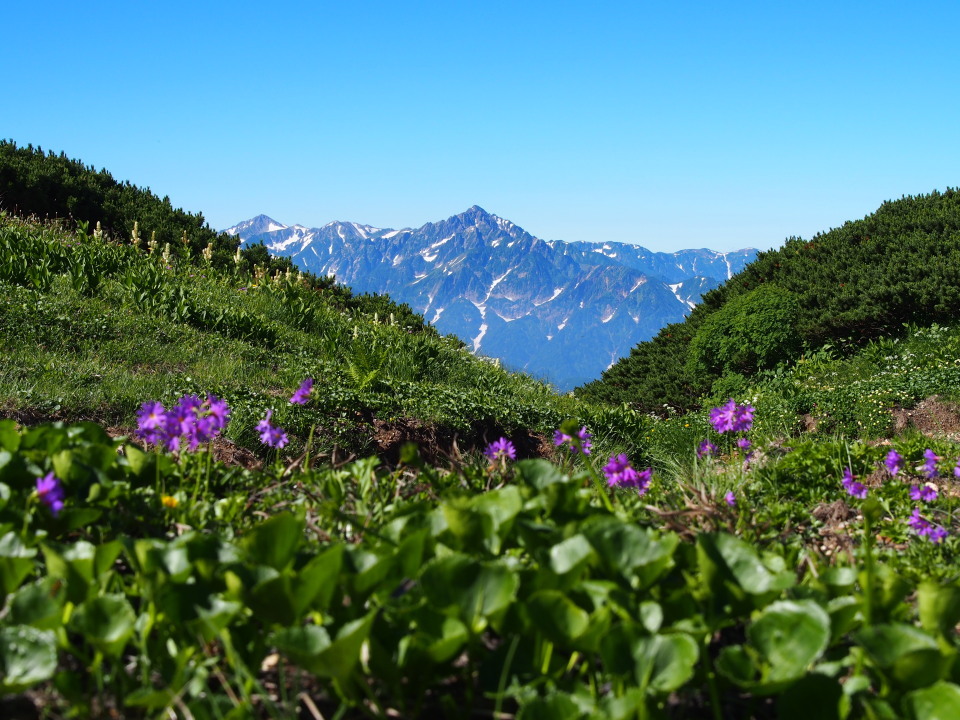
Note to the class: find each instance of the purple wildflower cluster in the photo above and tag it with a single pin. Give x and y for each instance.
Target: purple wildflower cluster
(925, 528)
(706, 449)
(854, 488)
(620, 473)
(925, 493)
(302, 393)
(270, 434)
(190, 421)
(273, 435)
(930, 460)
(730, 498)
(501, 449)
(893, 462)
(579, 441)
(732, 417)
(50, 491)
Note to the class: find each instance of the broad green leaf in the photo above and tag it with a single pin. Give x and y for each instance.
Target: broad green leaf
(9, 437)
(572, 554)
(311, 648)
(911, 658)
(469, 589)
(28, 656)
(939, 607)
(790, 636)
(315, 583)
(540, 473)
(940, 701)
(39, 604)
(556, 616)
(107, 622)
(555, 706)
(664, 662)
(631, 550)
(274, 542)
(16, 562)
(439, 637)
(728, 559)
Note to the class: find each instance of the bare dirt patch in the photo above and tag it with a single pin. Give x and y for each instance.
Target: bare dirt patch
(933, 417)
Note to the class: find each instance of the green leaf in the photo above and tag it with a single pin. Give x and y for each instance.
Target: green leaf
(107, 622)
(555, 706)
(439, 637)
(310, 647)
(540, 473)
(16, 562)
(939, 607)
(911, 658)
(314, 584)
(571, 555)
(274, 542)
(556, 616)
(9, 437)
(28, 656)
(728, 559)
(790, 636)
(39, 604)
(469, 589)
(940, 701)
(665, 662)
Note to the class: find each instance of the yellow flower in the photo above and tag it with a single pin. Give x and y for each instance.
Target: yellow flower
(169, 501)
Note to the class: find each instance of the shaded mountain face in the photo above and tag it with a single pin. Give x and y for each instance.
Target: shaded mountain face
(563, 312)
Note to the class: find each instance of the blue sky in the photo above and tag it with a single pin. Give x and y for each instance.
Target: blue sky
(671, 125)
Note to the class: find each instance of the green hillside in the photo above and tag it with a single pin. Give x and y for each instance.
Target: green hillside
(189, 529)
(864, 280)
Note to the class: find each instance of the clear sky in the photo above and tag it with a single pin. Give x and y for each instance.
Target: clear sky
(671, 125)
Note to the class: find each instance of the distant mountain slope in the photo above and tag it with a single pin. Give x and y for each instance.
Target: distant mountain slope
(560, 311)
(866, 279)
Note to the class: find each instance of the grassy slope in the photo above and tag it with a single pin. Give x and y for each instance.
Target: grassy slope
(145, 332)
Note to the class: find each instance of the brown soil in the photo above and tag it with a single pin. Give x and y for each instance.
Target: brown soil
(933, 417)
(439, 445)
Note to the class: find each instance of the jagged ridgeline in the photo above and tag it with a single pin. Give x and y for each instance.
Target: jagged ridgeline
(866, 279)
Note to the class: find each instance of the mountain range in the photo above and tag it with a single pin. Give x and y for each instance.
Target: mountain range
(561, 311)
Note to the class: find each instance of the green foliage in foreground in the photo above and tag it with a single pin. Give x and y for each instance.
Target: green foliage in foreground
(160, 589)
(861, 281)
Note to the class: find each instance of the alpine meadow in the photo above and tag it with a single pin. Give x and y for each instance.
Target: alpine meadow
(230, 488)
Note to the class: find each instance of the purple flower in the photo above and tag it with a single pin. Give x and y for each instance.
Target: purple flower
(501, 448)
(743, 444)
(706, 449)
(270, 434)
(730, 499)
(926, 493)
(956, 469)
(937, 534)
(302, 392)
(732, 417)
(190, 420)
(620, 473)
(922, 527)
(51, 492)
(918, 523)
(894, 462)
(854, 488)
(930, 463)
(219, 412)
(579, 442)
(151, 422)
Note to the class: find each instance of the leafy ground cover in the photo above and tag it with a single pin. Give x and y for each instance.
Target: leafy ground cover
(789, 553)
